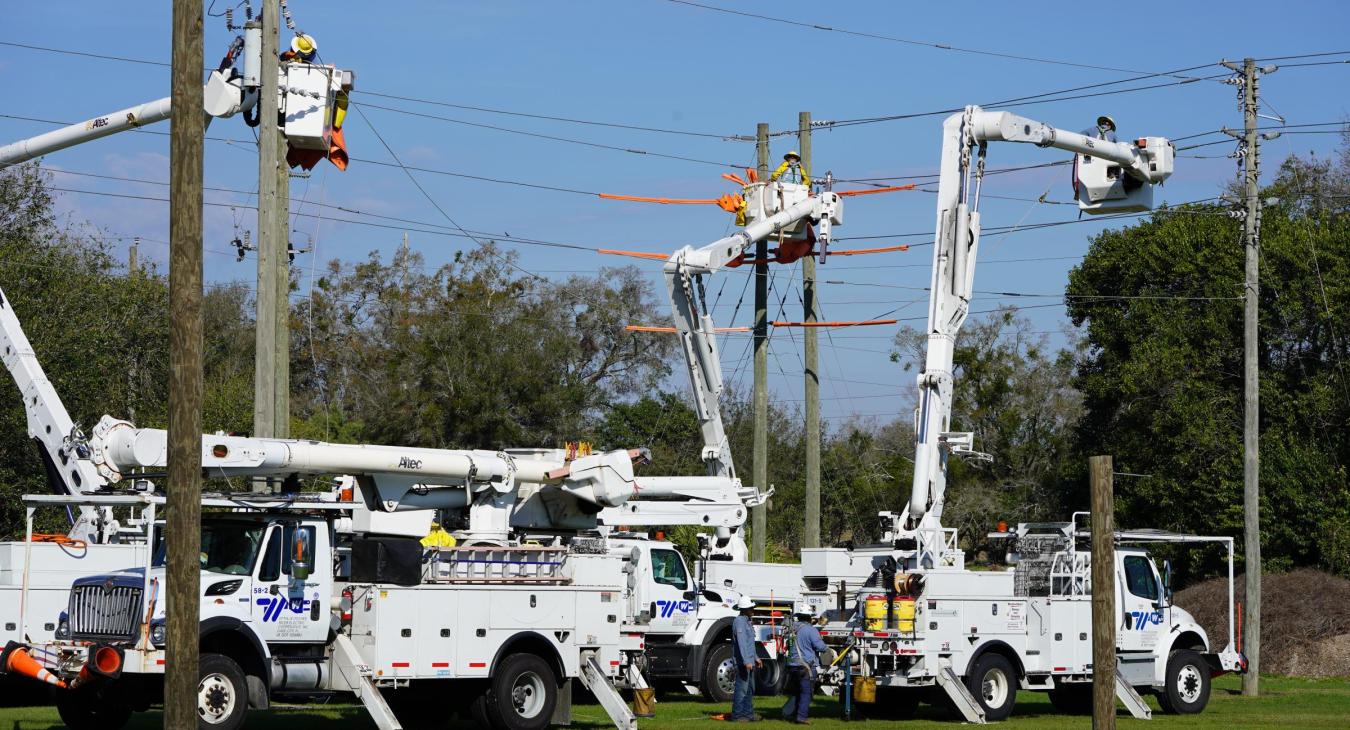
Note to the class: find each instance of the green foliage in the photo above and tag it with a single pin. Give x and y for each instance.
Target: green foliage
(1013, 393)
(1162, 377)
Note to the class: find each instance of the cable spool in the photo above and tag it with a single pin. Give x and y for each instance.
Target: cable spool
(908, 584)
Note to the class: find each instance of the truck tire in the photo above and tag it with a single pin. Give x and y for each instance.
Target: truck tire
(1186, 686)
(222, 693)
(719, 674)
(100, 706)
(770, 678)
(993, 682)
(522, 694)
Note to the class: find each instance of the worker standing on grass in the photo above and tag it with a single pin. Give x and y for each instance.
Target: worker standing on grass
(803, 651)
(747, 661)
(791, 170)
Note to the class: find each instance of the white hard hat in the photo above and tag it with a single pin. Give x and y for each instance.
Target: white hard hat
(806, 610)
(745, 602)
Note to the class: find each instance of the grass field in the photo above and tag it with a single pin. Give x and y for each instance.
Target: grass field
(1284, 703)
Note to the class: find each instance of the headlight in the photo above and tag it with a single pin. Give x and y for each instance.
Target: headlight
(158, 632)
(63, 629)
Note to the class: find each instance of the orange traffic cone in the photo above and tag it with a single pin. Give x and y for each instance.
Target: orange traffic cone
(105, 662)
(16, 660)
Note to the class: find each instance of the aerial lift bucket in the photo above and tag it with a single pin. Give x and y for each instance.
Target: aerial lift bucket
(16, 660)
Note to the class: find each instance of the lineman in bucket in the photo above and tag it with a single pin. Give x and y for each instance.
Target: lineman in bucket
(803, 652)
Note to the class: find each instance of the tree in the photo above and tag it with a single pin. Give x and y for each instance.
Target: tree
(1013, 392)
(1160, 305)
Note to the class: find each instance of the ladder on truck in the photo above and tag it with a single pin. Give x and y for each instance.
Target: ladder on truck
(490, 564)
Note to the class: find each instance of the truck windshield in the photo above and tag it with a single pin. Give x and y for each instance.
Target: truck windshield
(228, 547)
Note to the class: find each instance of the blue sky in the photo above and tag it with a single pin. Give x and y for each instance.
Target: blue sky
(661, 64)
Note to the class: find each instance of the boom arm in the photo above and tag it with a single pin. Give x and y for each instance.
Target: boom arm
(956, 245)
(694, 325)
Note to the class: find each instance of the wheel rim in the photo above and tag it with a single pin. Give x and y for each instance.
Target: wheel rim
(1189, 683)
(528, 694)
(994, 688)
(215, 699)
(726, 675)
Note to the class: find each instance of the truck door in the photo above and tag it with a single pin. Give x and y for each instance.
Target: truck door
(668, 580)
(288, 588)
(1139, 620)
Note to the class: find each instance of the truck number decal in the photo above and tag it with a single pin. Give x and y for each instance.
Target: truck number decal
(666, 609)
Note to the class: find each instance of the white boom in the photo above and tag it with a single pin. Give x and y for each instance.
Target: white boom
(1126, 185)
(718, 500)
(393, 478)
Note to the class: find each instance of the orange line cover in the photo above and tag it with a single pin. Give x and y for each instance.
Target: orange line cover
(650, 328)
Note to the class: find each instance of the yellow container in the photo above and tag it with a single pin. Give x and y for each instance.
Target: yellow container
(904, 614)
(865, 690)
(874, 611)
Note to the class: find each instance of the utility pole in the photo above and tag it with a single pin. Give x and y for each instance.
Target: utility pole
(133, 258)
(811, 533)
(1103, 594)
(270, 248)
(182, 531)
(281, 381)
(1250, 155)
(759, 518)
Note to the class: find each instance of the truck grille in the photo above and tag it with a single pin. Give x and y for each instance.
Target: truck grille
(104, 613)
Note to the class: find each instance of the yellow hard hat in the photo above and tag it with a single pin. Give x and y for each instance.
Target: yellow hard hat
(304, 44)
(1103, 119)
(792, 154)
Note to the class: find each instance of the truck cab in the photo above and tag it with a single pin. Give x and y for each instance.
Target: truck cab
(685, 626)
(265, 618)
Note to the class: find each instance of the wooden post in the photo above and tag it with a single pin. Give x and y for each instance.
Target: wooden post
(269, 247)
(811, 530)
(759, 519)
(1103, 595)
(183, 527)
(281, 355)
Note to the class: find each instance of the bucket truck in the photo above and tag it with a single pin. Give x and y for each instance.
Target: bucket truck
(684, 616)
(909, 620)
(332, 595)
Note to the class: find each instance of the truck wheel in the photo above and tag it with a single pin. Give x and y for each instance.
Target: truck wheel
(994, 684)
(719, 674)
(1072, 699)
(222, 694)
(96, 707)
(522, 695)
(1186, 691)
(769, 679)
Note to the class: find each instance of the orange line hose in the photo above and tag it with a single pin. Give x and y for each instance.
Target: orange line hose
(874, 191)
(663, 201)
(864, 323)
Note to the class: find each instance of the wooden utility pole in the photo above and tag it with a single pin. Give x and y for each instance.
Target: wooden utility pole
(1103, 595)
(759, 518)
(811, 533)
(281, 381)
(270, 247)
(182, 531)
(133, 255)
(1251, 391)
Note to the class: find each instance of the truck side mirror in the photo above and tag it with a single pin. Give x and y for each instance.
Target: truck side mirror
(1167, 580)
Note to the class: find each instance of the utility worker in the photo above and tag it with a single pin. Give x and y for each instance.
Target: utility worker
(1105, 129)
(303, 49)
(791, 170)
(747, 661)
(804, 647)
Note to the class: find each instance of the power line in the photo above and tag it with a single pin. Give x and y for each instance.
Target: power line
(554, 138)
(906, 41)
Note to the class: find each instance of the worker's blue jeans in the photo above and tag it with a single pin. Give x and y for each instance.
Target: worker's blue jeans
(799, 687)
(742, 705)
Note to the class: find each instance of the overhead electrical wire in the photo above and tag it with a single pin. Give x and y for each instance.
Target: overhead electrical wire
(906, 41)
